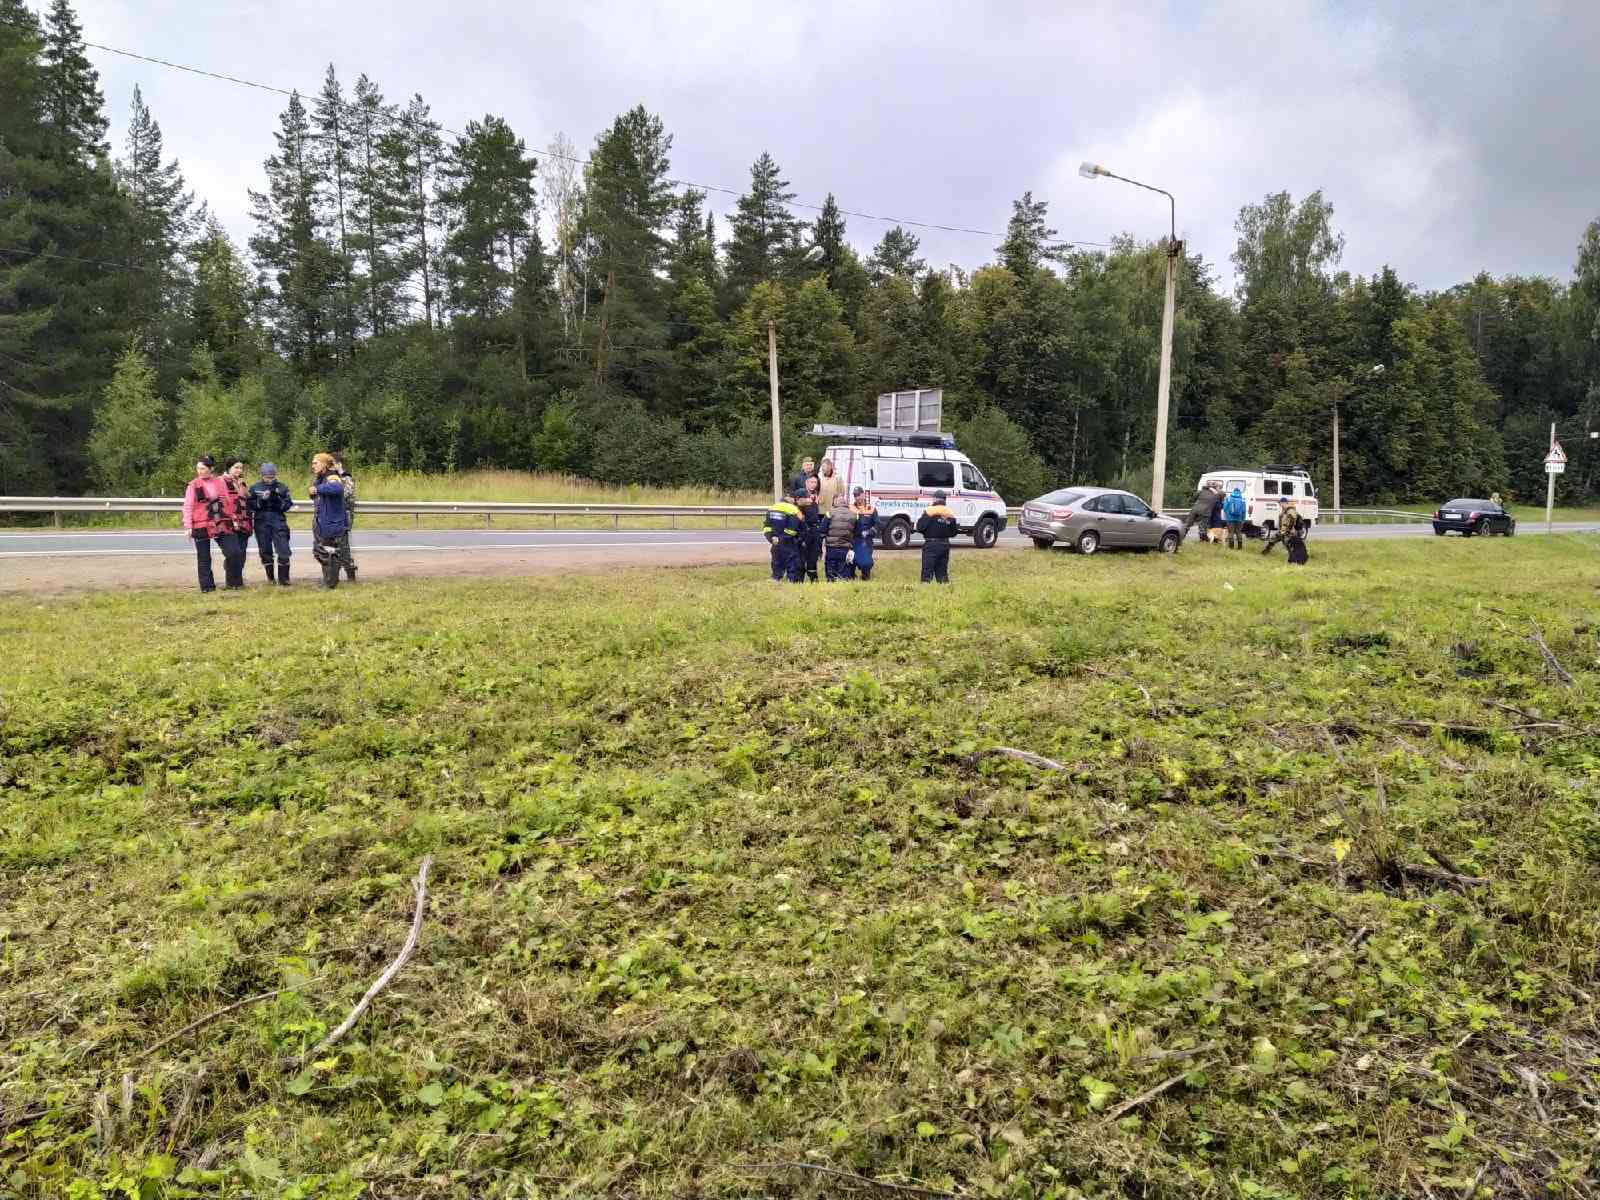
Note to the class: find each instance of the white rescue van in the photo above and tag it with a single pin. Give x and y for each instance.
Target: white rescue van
(901, 471)
(1266, 490)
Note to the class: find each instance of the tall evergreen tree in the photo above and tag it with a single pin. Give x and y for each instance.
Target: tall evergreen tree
(369, 237)
(74, 109)
(221, 313)
(160, 229)
(486, 204)
(333, 132)
(693, 253)
(289, 244)
(125, 449)
(896, 255)
(1028, 244)
(409, 155)
(763, 230)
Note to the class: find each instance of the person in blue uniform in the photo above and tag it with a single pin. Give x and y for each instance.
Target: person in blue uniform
(782, 531)
(269, 502)
(937, 525)
(866, 526)
(815, 528)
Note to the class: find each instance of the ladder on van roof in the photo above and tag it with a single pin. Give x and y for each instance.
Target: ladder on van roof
(871, 435)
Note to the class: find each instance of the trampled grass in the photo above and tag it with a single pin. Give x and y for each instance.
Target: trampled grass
(723, 881)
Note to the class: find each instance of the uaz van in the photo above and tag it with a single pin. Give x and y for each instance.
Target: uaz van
(1266, 490)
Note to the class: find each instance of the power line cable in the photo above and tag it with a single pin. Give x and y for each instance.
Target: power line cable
(708, 187)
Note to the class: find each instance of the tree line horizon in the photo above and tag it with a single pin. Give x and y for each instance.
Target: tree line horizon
(397, 298)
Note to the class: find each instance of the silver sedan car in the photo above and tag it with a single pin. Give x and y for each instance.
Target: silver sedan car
(1087, 519)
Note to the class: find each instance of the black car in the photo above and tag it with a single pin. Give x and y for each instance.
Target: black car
(1468, 516)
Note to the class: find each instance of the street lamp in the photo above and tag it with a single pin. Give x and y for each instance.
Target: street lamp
(1338, 502)
(1158, 482)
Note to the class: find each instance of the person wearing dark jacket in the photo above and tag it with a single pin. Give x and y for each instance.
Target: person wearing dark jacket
(815, 523)
(937, 525)
(330, 525)
(1289, 524)
(269, 502)
(839, 538)
(782, 531)
(866, 525)
(1205, 501)
(808, 470)
(1218, 521)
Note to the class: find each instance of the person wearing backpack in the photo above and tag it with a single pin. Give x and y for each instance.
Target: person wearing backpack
(866, 524)
(349, 482)
(204, 509)
(1288, 526)
(937, 525)
(330, 529)
(1234, 511)
(270, 501)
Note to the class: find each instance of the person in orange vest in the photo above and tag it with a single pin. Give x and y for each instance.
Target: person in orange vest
(937, 525)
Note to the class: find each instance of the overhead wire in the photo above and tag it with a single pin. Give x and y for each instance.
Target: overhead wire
(579, 160)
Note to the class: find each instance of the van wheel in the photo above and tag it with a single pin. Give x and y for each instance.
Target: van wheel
(1088, 542)
(897, 534)
(1043, 543)
(985, 533)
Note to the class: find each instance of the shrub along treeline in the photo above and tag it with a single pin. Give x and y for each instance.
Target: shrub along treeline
(399, 299)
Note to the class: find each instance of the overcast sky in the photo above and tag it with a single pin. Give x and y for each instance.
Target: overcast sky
(1450, 137)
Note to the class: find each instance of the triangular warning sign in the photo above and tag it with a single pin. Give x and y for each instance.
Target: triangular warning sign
(1556, 455)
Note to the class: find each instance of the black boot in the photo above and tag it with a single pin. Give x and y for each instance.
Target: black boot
(271, 578)
(283, 573)
(350, 574)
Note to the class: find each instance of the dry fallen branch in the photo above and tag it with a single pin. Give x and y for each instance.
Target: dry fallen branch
(1433, 875)
(420, 886)
(212, 1016)
(863, 1180)
(1033, 760)
(1550, 662)
(1145, 1097)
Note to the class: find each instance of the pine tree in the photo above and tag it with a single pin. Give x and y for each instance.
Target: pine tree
(896, 254)
(160, 228)
(331, 129)
(288, 243)
(694, 250)
(129, 427)
(763, 230)
(486, 205)
(74, 109)
(1028, 238)
(369, 118)
(221, 312)
(408, 161)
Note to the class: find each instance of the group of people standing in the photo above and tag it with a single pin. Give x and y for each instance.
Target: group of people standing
(818, 521)
(219, 508)
(1213, 511)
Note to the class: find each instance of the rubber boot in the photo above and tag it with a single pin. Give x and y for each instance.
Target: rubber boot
(350, 574)
(283, 573)
(271, 578)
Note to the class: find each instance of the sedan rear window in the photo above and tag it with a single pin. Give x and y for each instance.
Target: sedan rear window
(1064, 496)
(1468, 503)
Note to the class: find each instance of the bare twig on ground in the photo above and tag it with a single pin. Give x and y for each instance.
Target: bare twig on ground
(420, 886)
(1419, 871)
(862, 1180)
(1027, 756)
(1163, 1055)
(1145, 1097)
(212, 1016)
(1333, 743)
(1550, 661)
(1439, 857)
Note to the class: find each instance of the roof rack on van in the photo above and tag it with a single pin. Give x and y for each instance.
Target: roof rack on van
(1284, 469)
(885, 437)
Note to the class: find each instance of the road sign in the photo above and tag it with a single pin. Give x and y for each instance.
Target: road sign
(1556, 455)
(1554, 468)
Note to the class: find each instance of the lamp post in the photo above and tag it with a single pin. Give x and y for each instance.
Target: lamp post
(1158, 481)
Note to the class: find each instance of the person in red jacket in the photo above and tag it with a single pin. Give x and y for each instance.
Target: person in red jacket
(204, 515)
(234, 540)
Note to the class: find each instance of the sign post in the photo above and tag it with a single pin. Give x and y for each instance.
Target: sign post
(1554, 464)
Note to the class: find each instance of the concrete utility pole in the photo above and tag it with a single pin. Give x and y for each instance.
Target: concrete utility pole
(1158, 482)
(777, 429)
(1550, 486)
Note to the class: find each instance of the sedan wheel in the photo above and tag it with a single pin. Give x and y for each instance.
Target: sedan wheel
(1511, 528)
(1169, 542)
(1089, 542)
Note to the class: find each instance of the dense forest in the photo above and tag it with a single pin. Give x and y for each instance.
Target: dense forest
(435, 299)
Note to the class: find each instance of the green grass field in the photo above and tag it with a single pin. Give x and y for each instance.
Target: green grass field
(723, 880)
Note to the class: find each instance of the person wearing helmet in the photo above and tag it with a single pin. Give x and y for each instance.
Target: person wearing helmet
(270, 501)
(937, 525)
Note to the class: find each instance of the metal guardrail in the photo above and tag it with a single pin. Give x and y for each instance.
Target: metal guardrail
(57, 506)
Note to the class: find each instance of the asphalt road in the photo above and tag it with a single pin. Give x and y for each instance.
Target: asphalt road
(624, 545)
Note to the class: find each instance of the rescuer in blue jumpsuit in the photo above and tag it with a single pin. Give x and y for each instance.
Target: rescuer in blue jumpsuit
(269, 501)
(782, 530)
(866, 525)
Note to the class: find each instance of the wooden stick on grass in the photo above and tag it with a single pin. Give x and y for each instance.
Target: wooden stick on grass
(1145, 1097)
(420, 886)
(1027, 756)
(212, 1016)
(1554, 666)
(863, 1180)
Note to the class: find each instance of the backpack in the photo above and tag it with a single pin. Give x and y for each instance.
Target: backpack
(349, 482)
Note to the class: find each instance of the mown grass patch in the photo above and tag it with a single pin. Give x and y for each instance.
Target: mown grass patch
(722, 880)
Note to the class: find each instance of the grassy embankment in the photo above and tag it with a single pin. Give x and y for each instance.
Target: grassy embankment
(1309, 910)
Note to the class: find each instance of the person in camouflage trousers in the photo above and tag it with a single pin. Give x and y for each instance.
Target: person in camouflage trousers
(330, 526)
(349, 481)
